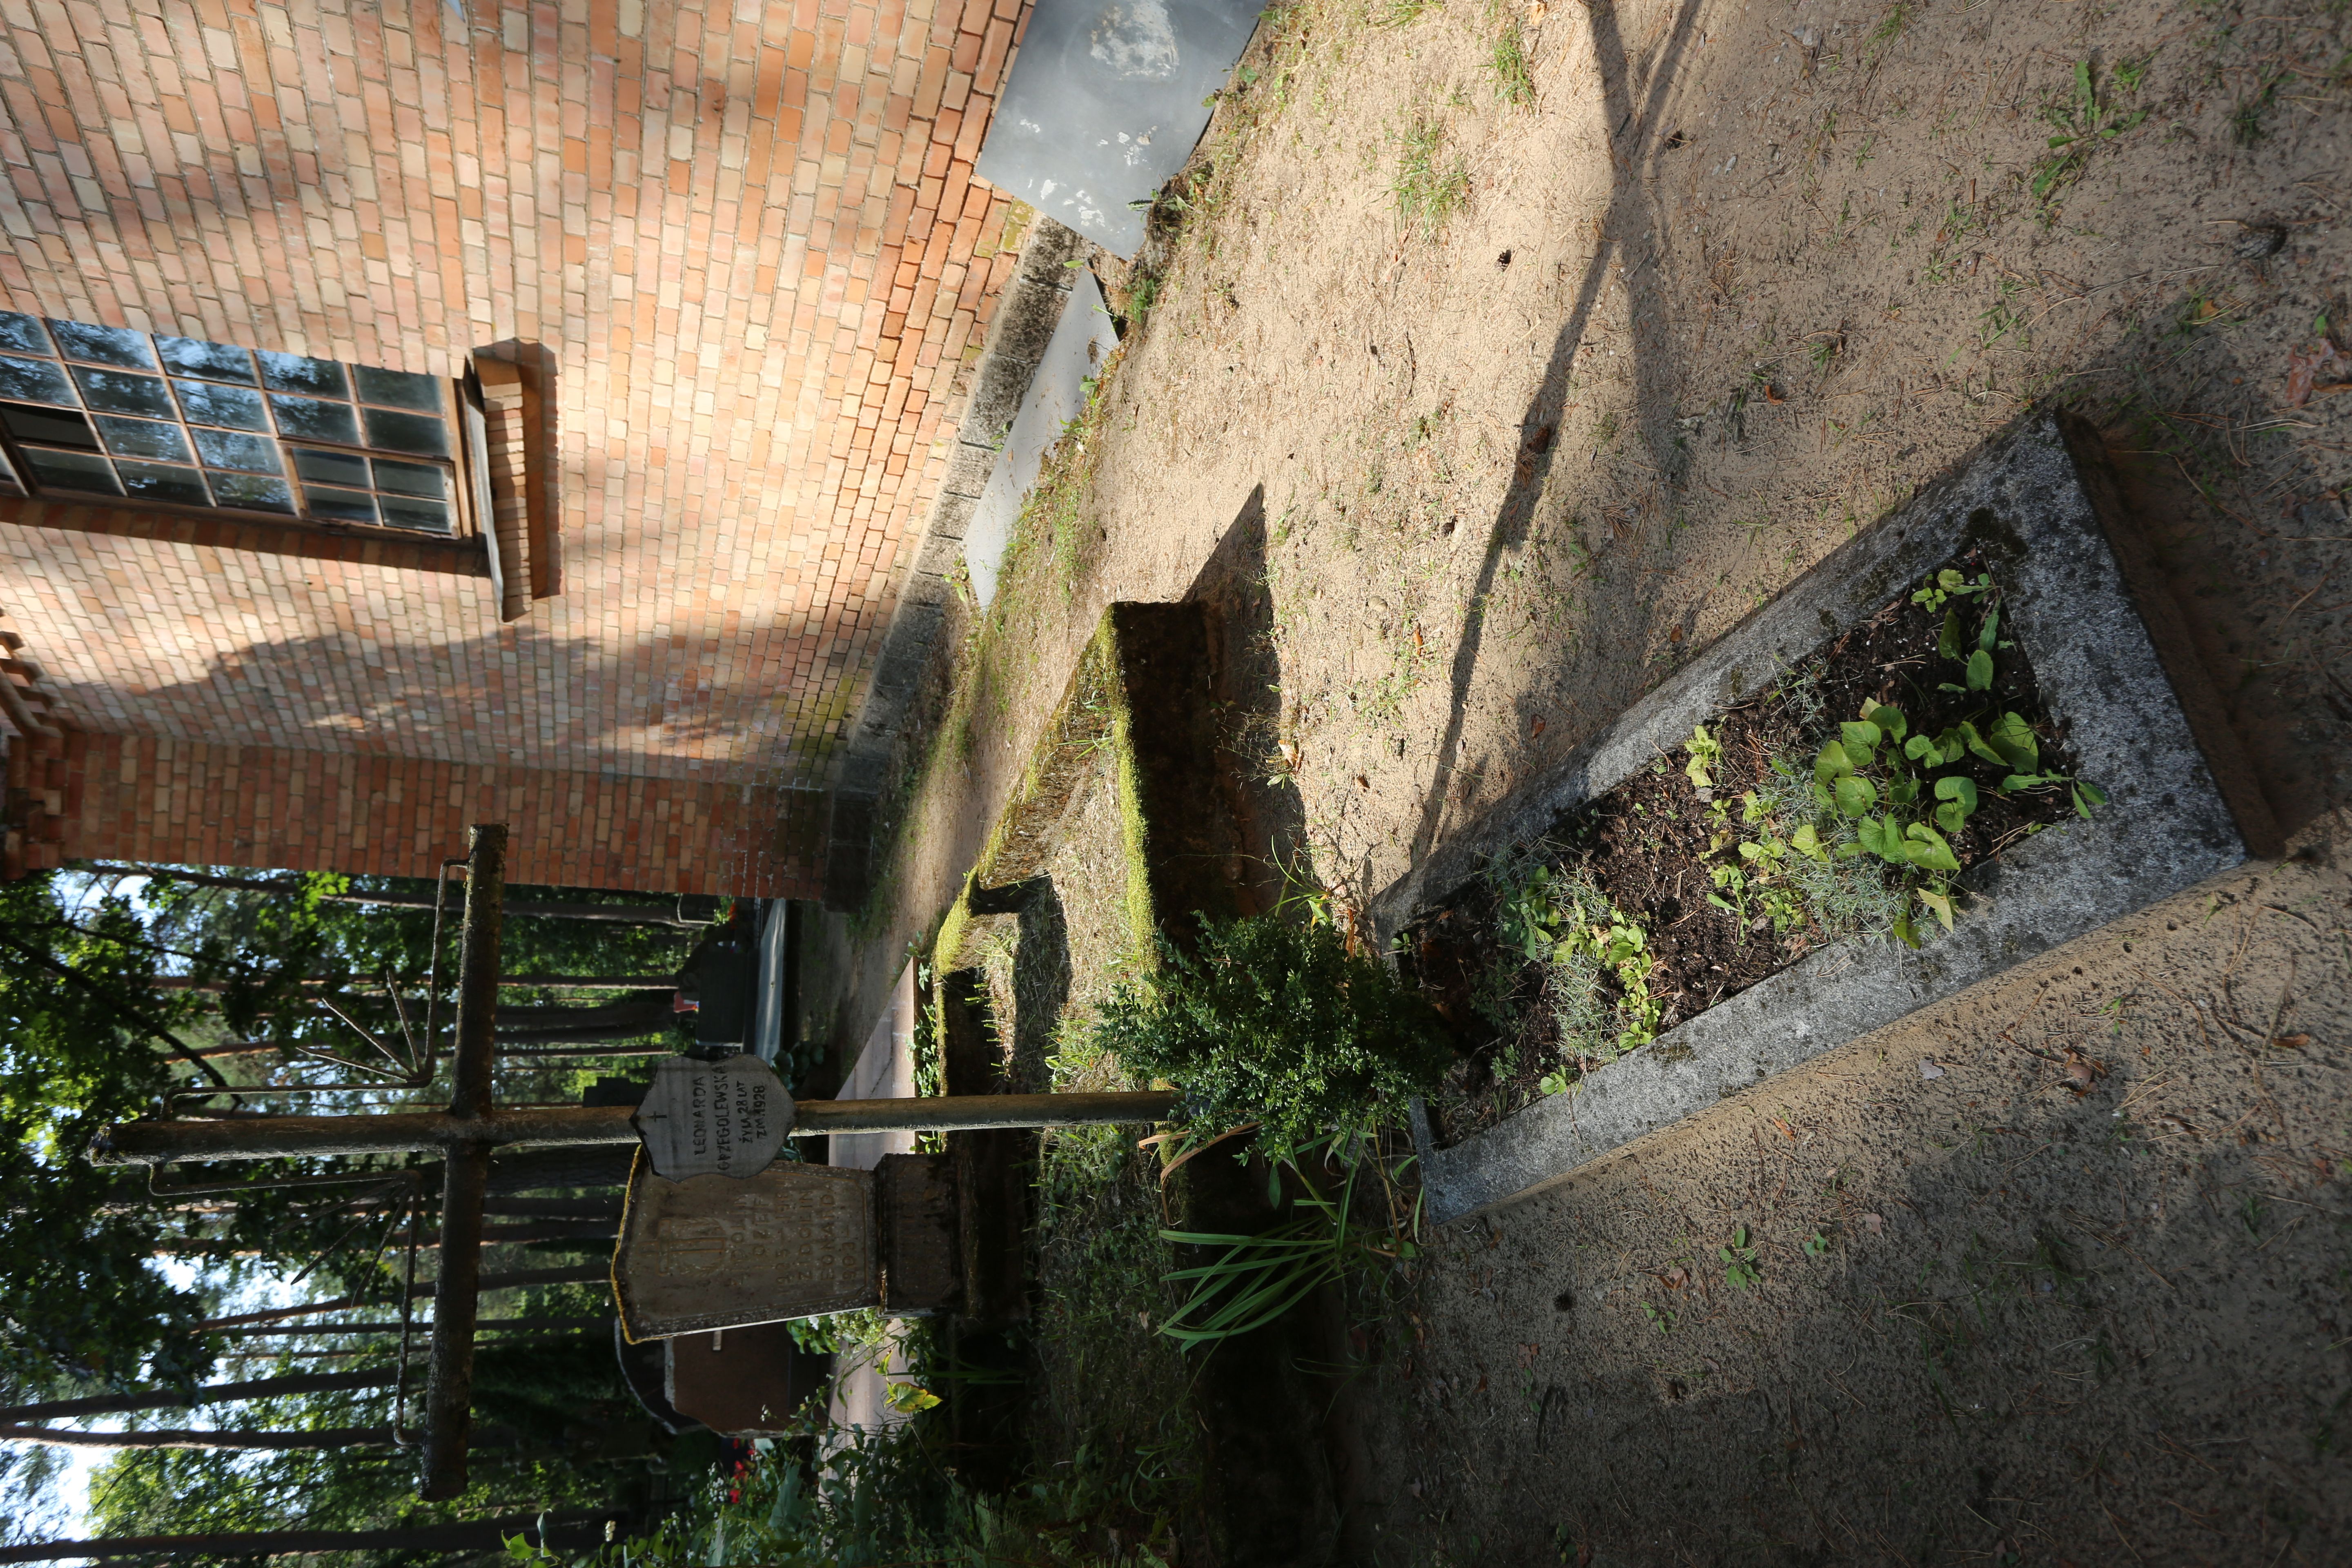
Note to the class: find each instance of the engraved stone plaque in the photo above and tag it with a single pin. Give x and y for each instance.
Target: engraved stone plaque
(725, 1118)
(714, 1252)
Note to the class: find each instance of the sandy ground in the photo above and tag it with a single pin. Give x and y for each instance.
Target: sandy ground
(1735, 280)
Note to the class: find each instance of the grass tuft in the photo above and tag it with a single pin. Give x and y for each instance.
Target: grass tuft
(1430, 188)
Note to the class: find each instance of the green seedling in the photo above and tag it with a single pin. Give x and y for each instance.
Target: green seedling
(1739, 1270)
(1817, 1245)
(1704, 752)
(2083, 124)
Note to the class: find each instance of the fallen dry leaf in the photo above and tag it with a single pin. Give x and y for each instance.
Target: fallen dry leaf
(2081, 1071)
(1872, 1224)
(1537, 728)
(1927, 1067)
(2322, 367)
(2291, 1042)
(1786, 1131)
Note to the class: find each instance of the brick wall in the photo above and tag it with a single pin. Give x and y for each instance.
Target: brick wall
(742, 243)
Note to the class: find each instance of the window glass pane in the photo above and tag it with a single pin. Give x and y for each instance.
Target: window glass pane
(104, 346)
(35, 380)
(233, 407)
(116, 393)
(71, 470)
(214, 361)
(22, 332)
(412, 478)
(292, 373)
(407, 433)
(251, 492)
(247, 454)
(49, 426)
(143, 439)
(407, 512)
(398, 388)
(331, 468)
(312, 420)
(339, 505)
(160, 482)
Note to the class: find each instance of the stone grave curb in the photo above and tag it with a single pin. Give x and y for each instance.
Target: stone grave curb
(2135, 709)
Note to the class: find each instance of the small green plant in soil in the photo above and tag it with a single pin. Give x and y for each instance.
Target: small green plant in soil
(1429, 188)
(1595, 959)
(1276, 1023)
(1903, 795)
(1739, 1270)
(2083, 124)
(1338, 1234)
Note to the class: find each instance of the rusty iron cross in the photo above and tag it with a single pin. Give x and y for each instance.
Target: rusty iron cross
(475, 1124)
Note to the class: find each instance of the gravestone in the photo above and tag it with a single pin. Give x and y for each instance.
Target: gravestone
(1105, 102)
(792, 1241)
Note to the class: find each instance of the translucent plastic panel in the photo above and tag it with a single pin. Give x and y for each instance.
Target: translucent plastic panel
(339, 505)
(213, 361)
(407, 512)
(143, 439)
(53, 470)
(103, 346)
(23, 333)
(247, 454)
(163, 481)
(308, 419)
(412, 478)
(35, 381)
(390, 432)
(49, 426)
(292, 373)
(112, 392)
(234, 406)
(251, 492)
(398, 389)
(323, 468)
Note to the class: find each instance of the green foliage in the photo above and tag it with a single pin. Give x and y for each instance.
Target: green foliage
(1259, 1277)
(80, 1299)
(2082, 125)
(884, 1498)
(1739, 1260)
(571, 1422)
(1596, 960)
(1278, 1023)
(1507, 62)
(1429, 187)
(1881, 792)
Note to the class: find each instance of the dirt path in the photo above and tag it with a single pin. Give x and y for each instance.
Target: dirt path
(1537, 397)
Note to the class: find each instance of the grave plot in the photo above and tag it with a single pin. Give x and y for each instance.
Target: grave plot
(1963, 739)
(1125, 827)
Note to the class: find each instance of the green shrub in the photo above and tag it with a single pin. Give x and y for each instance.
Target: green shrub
(1277, 1024)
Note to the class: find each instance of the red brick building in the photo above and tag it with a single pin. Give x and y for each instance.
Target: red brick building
(514, 410)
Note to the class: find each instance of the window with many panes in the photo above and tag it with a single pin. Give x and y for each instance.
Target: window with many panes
(111, 411)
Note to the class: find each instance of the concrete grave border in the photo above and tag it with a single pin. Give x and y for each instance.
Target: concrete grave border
(2115, 673)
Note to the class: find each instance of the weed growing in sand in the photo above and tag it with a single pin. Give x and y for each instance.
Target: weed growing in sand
(1514, 84)
(2082, 123)
(1429, 187)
